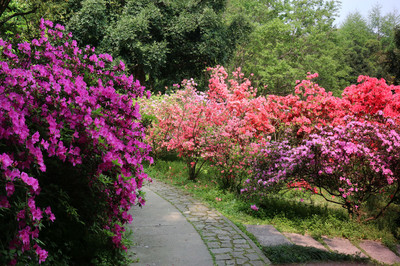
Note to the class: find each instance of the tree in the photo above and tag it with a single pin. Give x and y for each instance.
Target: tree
(356, 38)
(90, 22)
(20, 18)
(161, 41)
(291, 38)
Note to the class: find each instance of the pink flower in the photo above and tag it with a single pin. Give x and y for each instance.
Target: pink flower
(5, 160)
(42, 254)
(24, 235)
(4, 202)
(10, 189)
(254, 207)
(36, 214)
(30, 181)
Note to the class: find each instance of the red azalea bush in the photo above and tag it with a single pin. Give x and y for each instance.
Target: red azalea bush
(308, 107)
(71, 150)
(371, 96)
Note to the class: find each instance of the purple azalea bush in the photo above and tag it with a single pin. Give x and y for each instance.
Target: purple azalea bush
(354, 165)
(65, 114)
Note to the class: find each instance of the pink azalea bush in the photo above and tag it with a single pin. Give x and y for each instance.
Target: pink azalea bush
(68, 124)
(217, 126)
(179, 122)
(352, 163)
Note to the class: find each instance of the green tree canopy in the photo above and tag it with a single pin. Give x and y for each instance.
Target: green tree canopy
(291, 38)
(161, 41)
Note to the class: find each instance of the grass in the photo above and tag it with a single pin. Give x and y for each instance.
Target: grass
(286, 211)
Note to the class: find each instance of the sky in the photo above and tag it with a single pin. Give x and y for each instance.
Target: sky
(364, 6)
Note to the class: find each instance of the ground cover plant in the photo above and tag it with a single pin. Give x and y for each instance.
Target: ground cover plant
(71, 152)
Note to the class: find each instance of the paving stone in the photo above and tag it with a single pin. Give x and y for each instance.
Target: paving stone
(221, 250)
(241, 261)
(223, 237)
(304, 240)
(230, 262)
(198, 213)
(242, 246)
(252, 256)
(221, 232)
(239, 241)
(267, 235)
(223, 257)
(211, 220)
(220, 263)
(379, 252)
(257, 263)
(239, 255)
(210, 238)
(342, 245)
(213, 244)
(226, 245)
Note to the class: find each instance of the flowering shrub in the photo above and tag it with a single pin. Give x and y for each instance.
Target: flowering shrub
(373, 95)
(65, 127)
(179, 122)
(353, 163)
(310, 106)
(224, 126)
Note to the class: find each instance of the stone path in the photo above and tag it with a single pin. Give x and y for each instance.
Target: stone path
(163, 236)
(225, 241)
(175, 241)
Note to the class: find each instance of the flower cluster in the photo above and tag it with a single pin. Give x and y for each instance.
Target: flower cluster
(59, 101)
(352, 163)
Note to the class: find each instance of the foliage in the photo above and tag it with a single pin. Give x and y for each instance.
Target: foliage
(71, 150)
(162, 42)
(291, 38)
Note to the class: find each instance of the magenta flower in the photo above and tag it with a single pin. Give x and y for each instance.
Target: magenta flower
(254, 207)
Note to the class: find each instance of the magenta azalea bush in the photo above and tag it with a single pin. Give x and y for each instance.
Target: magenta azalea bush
(356, 165)
(71, 149)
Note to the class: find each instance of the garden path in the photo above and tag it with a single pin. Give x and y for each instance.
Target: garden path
(162, 234)
(176, 229)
